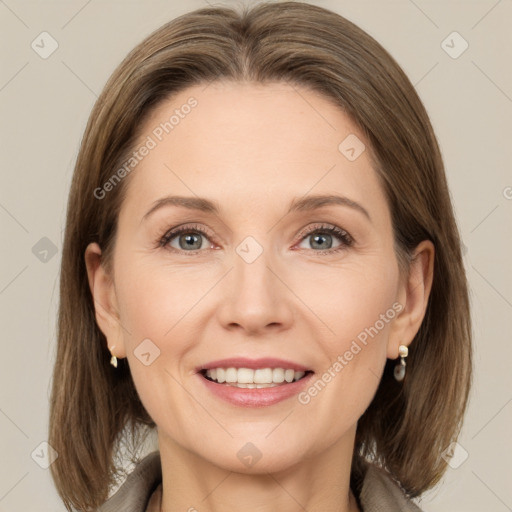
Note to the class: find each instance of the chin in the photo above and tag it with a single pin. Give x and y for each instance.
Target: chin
(253, 455)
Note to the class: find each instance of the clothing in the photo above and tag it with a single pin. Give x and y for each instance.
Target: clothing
(142, 491)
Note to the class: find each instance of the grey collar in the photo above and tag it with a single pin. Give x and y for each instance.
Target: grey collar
(379, 493)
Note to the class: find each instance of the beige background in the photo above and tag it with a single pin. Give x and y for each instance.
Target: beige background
(45, 104)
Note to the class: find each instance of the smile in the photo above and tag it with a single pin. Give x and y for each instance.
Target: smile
(253, 378)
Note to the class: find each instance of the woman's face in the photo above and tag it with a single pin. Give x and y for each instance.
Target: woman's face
(256, 279)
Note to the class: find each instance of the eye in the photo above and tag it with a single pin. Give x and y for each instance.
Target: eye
(193, 238)
(189, 238)
(321, 238)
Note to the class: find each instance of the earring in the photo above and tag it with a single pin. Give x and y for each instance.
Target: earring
(113, 359)
(399, 371)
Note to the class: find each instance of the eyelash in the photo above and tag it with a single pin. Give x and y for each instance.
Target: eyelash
(346, 240)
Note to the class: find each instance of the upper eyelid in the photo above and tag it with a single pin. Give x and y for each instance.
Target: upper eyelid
(317, 226)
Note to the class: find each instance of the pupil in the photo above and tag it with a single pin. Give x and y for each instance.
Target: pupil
(317, 237)
(189, 241)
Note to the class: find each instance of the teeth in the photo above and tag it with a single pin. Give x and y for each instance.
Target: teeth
(263, 376)
(278, 375)
(249, 378)
(253, 386)
(231, 375)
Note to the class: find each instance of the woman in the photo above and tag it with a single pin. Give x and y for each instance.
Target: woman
(261, 263)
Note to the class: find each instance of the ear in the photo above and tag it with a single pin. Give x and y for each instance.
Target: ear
(105, 302)
(413, 295)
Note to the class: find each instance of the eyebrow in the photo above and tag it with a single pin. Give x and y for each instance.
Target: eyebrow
(311, 202)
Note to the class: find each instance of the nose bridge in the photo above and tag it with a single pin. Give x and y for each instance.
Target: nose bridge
(254, 281)
(256, 298)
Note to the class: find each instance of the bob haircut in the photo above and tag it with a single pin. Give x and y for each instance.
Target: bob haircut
(94, 408)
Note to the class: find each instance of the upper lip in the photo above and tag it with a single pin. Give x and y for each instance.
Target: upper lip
(254, 364)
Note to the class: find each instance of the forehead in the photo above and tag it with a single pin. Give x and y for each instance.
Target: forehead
(250, 146)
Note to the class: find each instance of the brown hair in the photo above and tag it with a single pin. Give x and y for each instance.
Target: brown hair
(408, 424)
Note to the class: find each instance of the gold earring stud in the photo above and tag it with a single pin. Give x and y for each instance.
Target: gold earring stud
(399, 372)
(113, 359)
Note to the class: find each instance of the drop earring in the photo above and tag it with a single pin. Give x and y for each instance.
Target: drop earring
(113, 359)
(399, 372)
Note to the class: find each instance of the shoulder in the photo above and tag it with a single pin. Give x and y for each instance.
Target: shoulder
(135, 493)
(380, 493)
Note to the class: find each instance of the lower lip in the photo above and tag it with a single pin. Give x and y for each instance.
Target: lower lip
(256, 397)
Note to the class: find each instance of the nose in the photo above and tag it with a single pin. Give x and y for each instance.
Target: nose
(256, 299)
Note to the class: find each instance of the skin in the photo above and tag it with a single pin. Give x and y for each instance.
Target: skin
(253, 149)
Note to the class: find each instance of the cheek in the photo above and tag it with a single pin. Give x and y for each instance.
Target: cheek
(357, 306)
(155, 299)
(352, 297)
(356, 303)
(157, 308)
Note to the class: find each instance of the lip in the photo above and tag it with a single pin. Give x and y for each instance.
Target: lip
(254, 364)
(255, 397)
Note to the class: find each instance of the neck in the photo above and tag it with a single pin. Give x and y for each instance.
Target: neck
(318, 483)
